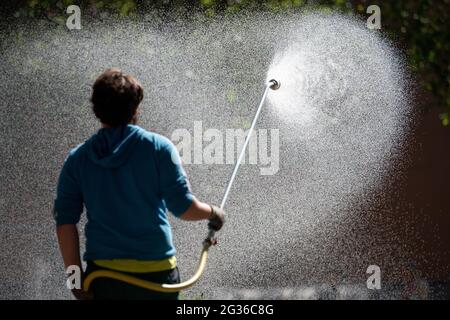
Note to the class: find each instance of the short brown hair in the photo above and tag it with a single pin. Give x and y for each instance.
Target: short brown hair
(116, 97)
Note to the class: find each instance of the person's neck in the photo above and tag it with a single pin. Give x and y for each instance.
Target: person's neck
(104, 125)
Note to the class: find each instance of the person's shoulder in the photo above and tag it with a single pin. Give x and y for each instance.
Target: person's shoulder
(74, 155)
(76, 152)
(157, 140)
(81, 149)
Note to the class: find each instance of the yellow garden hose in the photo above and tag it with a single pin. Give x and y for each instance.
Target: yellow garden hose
(161, 287)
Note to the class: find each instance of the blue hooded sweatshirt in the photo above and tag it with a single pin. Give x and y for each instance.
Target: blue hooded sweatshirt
(127, 178)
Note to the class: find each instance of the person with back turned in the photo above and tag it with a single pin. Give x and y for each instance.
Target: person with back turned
(126, 178)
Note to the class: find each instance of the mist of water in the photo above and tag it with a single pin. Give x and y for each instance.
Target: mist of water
(344, 97)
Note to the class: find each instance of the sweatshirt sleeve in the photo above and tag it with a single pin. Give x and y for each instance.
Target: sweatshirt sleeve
(69, 200)
(174, 184)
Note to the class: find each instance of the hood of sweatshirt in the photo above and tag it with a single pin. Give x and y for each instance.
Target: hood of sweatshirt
(111, 147)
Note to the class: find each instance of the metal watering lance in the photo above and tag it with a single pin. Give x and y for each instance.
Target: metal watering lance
(210, 240)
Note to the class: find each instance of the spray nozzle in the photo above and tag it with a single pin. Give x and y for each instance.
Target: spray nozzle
(274, 84)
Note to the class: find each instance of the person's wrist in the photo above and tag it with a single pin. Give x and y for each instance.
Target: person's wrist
(212, 213)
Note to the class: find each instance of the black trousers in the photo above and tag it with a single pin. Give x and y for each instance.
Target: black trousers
(111, 289)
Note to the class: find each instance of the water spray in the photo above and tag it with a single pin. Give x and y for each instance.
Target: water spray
(210, 239)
